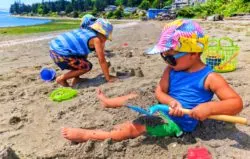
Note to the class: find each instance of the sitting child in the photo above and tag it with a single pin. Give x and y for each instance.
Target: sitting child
(186, 83)
(70, 50)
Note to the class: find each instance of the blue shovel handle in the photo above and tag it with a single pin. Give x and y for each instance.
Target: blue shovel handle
(153, 109)
(159, 108)
(139, 110)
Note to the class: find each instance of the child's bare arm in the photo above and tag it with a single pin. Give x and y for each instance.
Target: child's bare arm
(164, 98)
(99, 48)
(230, 102)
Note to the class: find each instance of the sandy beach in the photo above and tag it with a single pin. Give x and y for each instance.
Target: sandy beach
(30, 122)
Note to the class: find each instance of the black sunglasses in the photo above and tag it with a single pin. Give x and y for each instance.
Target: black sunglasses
(171, 59)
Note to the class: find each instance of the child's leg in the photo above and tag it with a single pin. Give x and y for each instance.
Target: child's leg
(120, 132)
(77, 65)
(62, 79)
(114, 102)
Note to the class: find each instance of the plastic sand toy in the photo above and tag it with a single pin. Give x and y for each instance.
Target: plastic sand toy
(62, 94)
(226, 68)
(139, 110)
(221, 55)
(47, 74)
(168, 129)
(198, 153)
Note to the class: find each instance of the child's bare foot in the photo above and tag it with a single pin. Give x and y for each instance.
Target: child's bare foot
(101, 97)
(75, 134)
(61, 81)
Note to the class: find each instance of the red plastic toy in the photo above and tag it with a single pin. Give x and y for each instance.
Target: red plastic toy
(198, 153)
(125, 44)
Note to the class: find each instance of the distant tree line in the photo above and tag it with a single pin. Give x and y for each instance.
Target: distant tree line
(222, 7)
(82, 5)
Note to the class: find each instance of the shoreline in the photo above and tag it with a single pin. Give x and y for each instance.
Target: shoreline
(68, 18)
(50, 21)
(55, 24)
(50, 35)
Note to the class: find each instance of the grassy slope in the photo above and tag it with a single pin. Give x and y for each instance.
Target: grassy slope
(53, 26)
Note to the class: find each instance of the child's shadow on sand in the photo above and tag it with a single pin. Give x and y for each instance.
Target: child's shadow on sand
(218, 130)
(96, 81)
(207, 130)
(88, 82)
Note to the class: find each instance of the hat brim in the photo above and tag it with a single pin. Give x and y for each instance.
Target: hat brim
(156, 50)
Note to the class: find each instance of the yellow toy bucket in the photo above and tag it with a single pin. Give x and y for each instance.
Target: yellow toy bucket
(221, 55)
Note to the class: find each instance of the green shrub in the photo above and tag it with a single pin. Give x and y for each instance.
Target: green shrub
(186, 12)
(94, 12)
(145, 4)
(118, 13)
(109, 14)
(75, 14)
(222, 7)
(127, 15)
(53, 14)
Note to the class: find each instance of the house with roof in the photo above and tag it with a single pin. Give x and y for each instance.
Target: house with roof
(110, 8)
(182, 3)
(130, 9)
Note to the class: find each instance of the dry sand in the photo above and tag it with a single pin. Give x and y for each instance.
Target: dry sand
(30, 123)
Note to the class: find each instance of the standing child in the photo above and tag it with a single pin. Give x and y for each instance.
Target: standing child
(186, 83)
(70, 51)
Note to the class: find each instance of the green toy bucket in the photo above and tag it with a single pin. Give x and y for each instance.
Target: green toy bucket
(221, 55)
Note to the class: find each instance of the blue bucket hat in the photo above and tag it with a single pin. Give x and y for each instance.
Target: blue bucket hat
(103, 27)
(87, 20)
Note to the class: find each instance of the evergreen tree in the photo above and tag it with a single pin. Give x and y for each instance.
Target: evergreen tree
(130, 3)
(69, 8)
(118, 2)
(156, 4)
(81, 5)
(52, 7)
(74, 5)
(145, 4)
(99, 5)
(167, 2)
(40, 9)
(88, 5)
(45, 7)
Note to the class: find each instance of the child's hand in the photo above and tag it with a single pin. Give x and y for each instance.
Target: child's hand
(201, 112)
(175, 108)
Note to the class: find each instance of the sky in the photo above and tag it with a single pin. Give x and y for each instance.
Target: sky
(5, 4)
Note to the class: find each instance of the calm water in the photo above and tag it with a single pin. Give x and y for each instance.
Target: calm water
(8, 21)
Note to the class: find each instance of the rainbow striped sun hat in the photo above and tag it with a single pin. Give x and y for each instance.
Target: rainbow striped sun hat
(103, 27)
(181, 35)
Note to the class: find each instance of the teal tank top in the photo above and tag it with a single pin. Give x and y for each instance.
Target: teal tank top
(188, 89)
